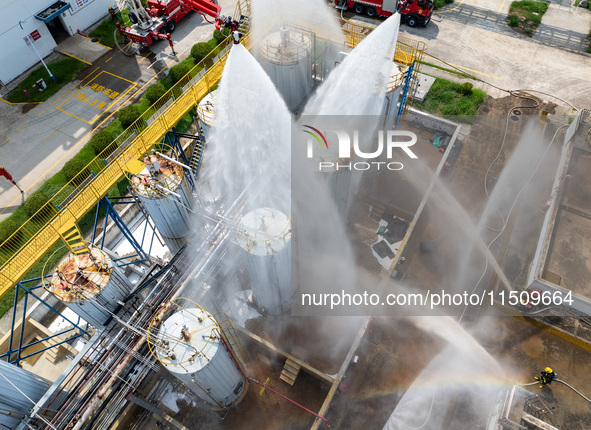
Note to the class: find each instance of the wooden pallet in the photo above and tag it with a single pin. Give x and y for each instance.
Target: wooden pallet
(290, 372)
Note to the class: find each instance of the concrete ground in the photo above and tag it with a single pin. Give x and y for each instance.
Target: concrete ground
(473, 36)
(569, 252)
(37, 140)
(82, 48)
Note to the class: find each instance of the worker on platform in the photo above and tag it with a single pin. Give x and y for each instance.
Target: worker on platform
(547, 377)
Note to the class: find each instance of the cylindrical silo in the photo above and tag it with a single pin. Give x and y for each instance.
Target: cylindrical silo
(393, 90)
(190, 345)
(337, 172)
(90, 285)
(286, 56)
(166, 194)
(206, 111)
(264, 235)
(16, 384)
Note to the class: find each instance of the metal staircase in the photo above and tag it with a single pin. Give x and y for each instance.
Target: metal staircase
(74, 240)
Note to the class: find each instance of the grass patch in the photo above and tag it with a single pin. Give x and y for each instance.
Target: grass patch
(438, 4)
(455, 72)
(525, 16)
(64, 71)
(106, 31)
(450, 98)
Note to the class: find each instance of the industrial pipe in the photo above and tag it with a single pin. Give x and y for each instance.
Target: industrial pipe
(178, 163)
(250, 379)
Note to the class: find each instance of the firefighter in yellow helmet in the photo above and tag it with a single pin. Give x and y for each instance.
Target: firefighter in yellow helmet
(547, 377)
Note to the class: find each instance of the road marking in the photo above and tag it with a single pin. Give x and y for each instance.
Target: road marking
(73, 56)
(123, 79)
(94, 119)
(54, 132)
(105, 46)
(41, 112)
(109, 59)
(186, 22)
(23, 103)
(465, 68)
(22, 127)
(42, 176)
(502, 5)
(452, 9)
(68, 92)
(144, 57)
(5, 141)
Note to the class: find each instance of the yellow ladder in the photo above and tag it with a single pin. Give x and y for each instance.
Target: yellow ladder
(231, 336)
(74, 240)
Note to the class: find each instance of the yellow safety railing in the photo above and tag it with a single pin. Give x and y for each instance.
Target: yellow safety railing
(46, 227)
(53, 222)
(408, 51)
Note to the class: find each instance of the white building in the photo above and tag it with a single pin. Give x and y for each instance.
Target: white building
(42, 22)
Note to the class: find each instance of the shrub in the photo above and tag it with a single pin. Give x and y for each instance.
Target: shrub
(74, 167)
(513, 20)
(154, 93)
(34, 203)
(219, 36)
(128, 115)
(7, 228)
(199, 51)
(528, 31)
(100, 141)
(212, 43)
(449, 1)
(467, 88)
(439, 4)
(178, 71)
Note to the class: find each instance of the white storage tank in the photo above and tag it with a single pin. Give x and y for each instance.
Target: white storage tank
(206, 111)
(335, 171)
(286, 56)
(264, 235)
(166, 194)
(190, 346)
(90, 285)
(13, 402)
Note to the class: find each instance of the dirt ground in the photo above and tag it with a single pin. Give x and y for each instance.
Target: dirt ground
(394, 350)
(526, 351)
(323, 343)
(483, 143)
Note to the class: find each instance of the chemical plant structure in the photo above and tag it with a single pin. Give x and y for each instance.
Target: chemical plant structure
(179, 311)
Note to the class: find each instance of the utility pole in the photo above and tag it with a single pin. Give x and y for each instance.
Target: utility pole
(32, 43)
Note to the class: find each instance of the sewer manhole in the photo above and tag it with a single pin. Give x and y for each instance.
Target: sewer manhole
(514, 117)
(516, 112)
(485, 110)
(95, 39)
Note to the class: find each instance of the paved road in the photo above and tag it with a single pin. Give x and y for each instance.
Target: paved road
(36, 143)
(473, 35)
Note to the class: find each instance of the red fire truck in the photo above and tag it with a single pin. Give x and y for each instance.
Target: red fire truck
(413, 12)
(159, 19)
